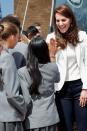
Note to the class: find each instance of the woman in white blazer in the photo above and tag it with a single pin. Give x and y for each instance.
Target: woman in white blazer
(71, 59)
(12, 104)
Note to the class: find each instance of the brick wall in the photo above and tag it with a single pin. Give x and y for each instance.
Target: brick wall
(38, 11)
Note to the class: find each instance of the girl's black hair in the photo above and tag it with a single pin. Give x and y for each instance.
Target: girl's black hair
(32, 30)
(38, 53)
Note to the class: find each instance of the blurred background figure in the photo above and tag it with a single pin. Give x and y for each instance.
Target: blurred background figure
(38, 26)
(31, 32)
(24, 37)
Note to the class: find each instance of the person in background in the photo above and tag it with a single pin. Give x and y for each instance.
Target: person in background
(38, 26)
(24, 37)
(71, 59)
(19, 52)
(25, 33)
(12, 104)
(13, 19)
(31, 32)
(37, 80)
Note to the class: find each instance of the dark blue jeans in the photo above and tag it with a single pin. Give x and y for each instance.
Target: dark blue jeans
(67, 101)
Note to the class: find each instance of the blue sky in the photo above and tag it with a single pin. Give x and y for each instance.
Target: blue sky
(7, 7)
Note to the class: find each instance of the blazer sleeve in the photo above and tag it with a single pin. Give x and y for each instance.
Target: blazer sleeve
(56, 73)
(85, 65)
(25, 89)
(12, 86)
(19, 59)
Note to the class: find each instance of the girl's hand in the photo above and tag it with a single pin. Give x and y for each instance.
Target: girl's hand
(52, 47)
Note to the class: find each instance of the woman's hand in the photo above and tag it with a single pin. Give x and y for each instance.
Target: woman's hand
(83, 98)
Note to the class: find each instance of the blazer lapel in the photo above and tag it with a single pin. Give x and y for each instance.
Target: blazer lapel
(77, 51)
(64, 52)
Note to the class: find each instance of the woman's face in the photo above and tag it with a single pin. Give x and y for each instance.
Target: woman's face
(62, 23)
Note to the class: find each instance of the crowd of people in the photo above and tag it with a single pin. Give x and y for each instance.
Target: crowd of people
(43, 85)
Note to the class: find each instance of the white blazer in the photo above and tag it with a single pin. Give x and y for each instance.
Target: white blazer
(81, 55)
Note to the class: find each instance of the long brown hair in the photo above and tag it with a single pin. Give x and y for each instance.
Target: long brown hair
(71, 35)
